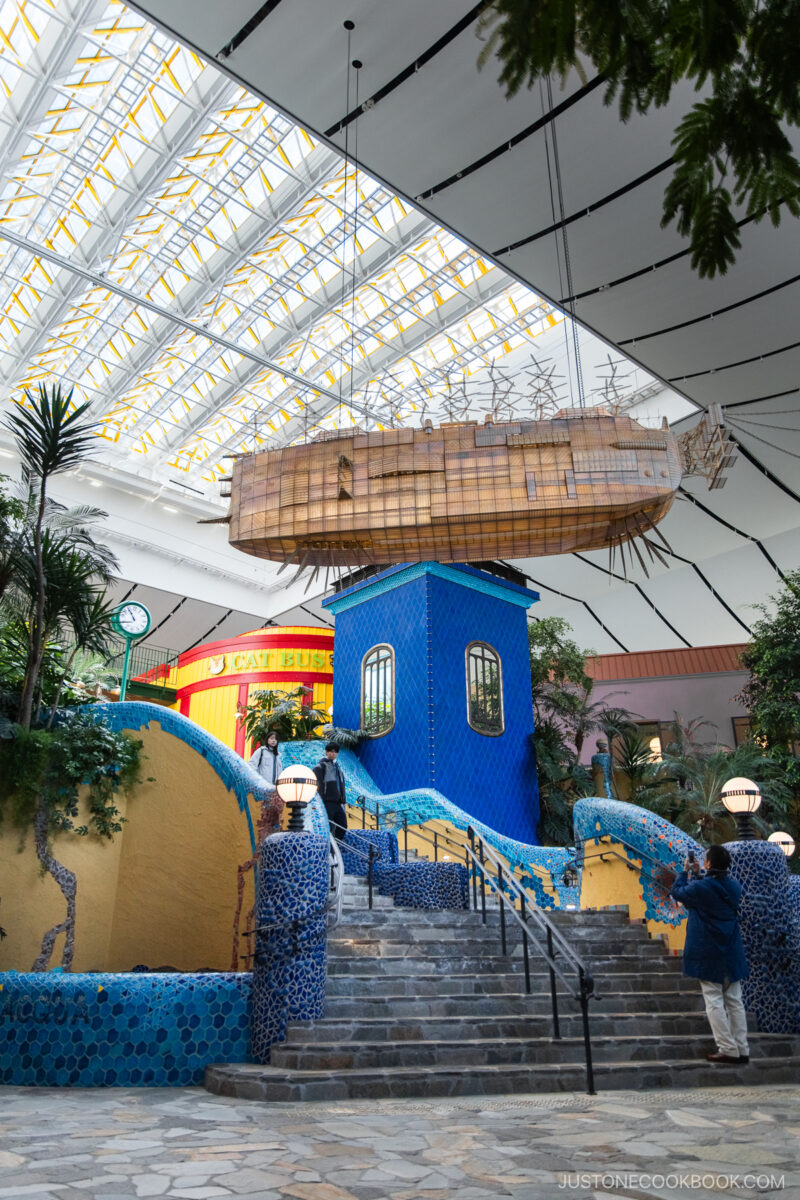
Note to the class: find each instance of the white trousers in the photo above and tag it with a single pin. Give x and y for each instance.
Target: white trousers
(726, 1016)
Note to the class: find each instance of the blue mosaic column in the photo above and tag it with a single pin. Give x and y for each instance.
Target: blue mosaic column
(289, 967)
(770, 921)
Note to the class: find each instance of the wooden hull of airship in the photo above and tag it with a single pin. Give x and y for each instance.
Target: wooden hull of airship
(461, 492)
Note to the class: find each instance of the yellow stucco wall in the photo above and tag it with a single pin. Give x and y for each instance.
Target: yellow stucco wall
(162, 893)
(32, 903)
(611, 882)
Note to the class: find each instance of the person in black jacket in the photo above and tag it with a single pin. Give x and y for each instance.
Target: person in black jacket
(714, 951)
(330, 785)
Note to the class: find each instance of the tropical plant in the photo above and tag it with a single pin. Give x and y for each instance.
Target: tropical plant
(772, 693)
(691, 795)
(40, 781)
(562, 780)
(345, 739)
(634, 761)
(730, 150)
(52, 436)
(284, 712)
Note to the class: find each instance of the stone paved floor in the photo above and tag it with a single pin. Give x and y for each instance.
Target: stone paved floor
(106, 1145)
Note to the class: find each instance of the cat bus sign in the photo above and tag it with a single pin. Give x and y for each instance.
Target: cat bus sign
(214, 681)
(270, 660)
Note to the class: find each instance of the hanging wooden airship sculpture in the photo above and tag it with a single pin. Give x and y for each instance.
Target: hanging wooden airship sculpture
(582, 479)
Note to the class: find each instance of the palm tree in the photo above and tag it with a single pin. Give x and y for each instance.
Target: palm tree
(51, 437)
(692, 797)
(633, 758)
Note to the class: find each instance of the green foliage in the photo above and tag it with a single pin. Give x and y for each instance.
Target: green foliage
(284, 712)
(50, 433)
(44, 769)
(555, 658)
(565, 715)
(730, 148)
(562, 780)
(690, 795)
(633, 759)
(772, 693)
(345, 739)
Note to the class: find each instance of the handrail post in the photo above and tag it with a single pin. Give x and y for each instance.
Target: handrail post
(363, 800)
(377, 815)
(435, 846)
(405, 834)
(553, 991)
(471, 865)
(468, 865)
(587, 1042)
(369, 873)
(502, 896)
(483, 882)
(523, 912)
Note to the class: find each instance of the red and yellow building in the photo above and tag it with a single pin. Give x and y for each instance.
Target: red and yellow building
(213, 682)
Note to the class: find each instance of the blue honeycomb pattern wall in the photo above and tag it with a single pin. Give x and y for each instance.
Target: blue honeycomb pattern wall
(127, 1030)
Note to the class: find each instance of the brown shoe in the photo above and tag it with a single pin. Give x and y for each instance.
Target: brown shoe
(727, 1059)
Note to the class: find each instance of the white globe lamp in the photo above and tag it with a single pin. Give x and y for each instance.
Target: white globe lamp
(784, 840)
(742, 798)
(296, 786)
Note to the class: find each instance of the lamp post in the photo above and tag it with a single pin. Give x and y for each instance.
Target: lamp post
(296, 787)
(784, 840)
(742, 798)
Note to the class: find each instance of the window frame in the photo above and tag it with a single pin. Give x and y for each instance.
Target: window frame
(485, 646)
(378, 646)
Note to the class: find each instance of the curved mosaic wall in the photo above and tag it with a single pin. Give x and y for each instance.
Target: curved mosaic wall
(426, 804)
(647, 838)
(771, 932)
(237, 775)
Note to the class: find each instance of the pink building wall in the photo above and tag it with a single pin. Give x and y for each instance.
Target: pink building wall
(693, 693)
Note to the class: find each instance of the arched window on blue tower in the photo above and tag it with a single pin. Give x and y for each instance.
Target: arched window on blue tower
(484, 689)
(377, 690)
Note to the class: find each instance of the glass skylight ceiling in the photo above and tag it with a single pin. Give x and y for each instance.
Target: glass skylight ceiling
(182, 253)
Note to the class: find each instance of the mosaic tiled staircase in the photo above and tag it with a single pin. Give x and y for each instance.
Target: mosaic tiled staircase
(424, 1004)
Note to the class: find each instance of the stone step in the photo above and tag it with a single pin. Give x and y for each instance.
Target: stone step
(389, 930)
(685, 1022)
(458, 964)
(470, 983)
(249, 1081)
(482, 1052)
(510, 1003)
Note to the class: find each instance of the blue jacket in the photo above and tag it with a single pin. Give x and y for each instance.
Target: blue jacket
(714, 949)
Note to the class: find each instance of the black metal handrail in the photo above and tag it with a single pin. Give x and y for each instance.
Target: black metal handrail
(416, 818)
(555, 944)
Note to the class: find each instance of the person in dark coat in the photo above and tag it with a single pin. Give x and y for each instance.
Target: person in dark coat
(330, 785)
(714, 951)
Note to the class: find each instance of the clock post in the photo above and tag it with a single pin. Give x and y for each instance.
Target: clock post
(131, 621)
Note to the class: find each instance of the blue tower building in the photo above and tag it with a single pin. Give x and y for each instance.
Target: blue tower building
(432, 660)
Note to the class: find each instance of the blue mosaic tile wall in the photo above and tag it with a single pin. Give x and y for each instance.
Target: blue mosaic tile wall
(429, 620)
(771, 932)
(105, 1030)
(426, 804)
(428, 885)
(355, 845)
(663, 846)
(290, 962)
